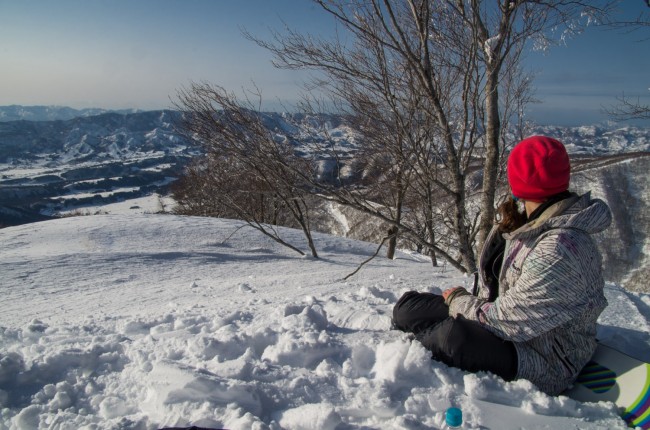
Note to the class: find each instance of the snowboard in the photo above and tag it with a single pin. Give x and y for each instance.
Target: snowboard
(614, 376)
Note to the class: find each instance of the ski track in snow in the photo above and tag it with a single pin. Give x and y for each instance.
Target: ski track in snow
(144, 321)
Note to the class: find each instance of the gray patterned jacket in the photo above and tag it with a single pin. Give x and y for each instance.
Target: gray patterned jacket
(550, 292)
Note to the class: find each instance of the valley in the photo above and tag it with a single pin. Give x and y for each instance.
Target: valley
(67, 166)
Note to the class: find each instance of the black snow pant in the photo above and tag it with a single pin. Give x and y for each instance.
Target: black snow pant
(457, 342)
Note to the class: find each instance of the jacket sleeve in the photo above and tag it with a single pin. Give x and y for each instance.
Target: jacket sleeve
(547, 294)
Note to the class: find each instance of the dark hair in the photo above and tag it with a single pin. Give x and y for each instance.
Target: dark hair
(509, 217)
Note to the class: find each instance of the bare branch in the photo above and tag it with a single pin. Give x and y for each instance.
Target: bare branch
(628, 109)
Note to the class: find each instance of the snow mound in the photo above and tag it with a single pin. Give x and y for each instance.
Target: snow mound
(147, 321)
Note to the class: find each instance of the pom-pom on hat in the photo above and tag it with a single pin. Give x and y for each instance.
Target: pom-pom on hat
(538, 167)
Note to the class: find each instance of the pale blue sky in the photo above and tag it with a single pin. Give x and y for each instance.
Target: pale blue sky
(138, 53)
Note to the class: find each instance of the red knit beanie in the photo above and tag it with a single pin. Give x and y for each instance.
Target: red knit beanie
(538, 167)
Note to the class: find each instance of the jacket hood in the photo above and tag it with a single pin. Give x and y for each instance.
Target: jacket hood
(579, 212)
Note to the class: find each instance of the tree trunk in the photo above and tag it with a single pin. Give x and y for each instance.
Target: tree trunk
(392, 242)
(429, 226)
(491, 166)
(303, 219)
(434, 259)
(464, 242)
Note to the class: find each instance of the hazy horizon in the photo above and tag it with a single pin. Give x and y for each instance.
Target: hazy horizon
(139, 54)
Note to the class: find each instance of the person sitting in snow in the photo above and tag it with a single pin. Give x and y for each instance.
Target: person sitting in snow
(533, 314)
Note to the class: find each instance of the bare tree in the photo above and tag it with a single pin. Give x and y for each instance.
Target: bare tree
(453, 59)
(386, 153)
(637, 23)
(432, 86)
(501, 31)
(630, 108)
(249, 171)
(396, 153)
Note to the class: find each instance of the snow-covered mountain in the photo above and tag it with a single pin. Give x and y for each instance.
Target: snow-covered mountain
(62, 166)
(604, 140)
(146, 321)
(51, 113)
(49, 166)
(104, 137)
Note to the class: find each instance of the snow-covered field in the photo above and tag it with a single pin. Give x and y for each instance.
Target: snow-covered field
(142, 321)
(154, 203)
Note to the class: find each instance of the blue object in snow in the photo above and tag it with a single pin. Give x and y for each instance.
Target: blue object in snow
(454, 417)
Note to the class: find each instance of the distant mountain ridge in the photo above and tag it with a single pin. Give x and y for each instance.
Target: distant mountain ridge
(94, 138)
(596, 139)
(119, 136)
(51, 113)
(603, 139)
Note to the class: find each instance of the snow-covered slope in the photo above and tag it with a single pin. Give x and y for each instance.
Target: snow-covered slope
(623, 183)
(143, 321)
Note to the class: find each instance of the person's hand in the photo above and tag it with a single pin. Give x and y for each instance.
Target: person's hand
(449, 294)
(448, 291)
